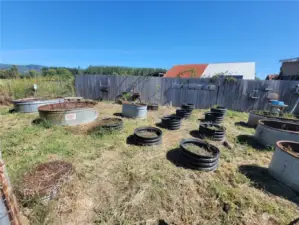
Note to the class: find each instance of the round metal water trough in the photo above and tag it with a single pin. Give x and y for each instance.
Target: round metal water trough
(30, 105)
(254, 117)
(284, 165)
(268, 132)
(133, 110)
(69, 113)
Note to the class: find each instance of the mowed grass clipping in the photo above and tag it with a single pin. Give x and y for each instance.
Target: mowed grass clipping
(118, 183)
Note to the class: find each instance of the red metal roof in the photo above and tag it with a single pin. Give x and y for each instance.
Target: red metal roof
(188, 70)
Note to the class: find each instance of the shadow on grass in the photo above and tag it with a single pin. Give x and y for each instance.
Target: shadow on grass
(174, 156)
(130, 140)
(42, 122)
(243, 124)
(118, 114)
(294, 222)
(261, 179)
(13, 110)
(162, 222)
(196, 134)
(37, 121)
(251, 141)
(160, 125)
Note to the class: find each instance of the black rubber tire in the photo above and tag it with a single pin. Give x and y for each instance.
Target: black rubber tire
(153, 107)
(185, 162)
(216, 135)
(219, 109)
(208, 129)
(171, 122)
(140, 140)
(188, 106)
(203, 144)
(183, 113)
(195, 164)
(116, 124)
(214, 117)
(196, 160)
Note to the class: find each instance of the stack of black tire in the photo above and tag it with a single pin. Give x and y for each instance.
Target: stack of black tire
(152, 107)
(105, 125)
(112, 124)
(139, 139)
(185, 111)
(199, 162)
(216, 115)
(171, 122)
(215, 132)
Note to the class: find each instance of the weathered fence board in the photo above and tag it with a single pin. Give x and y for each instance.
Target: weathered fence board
(204, 93)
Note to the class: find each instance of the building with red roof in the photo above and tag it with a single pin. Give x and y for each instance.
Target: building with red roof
(244, 70)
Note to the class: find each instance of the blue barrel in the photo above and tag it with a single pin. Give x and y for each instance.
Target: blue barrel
(276, 102)
(134, 110)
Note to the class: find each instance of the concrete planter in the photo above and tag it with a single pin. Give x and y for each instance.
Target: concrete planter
(30, 105)
(69, 113)
(134, 110)
(284, 165)
(268, 132)
(254, 118)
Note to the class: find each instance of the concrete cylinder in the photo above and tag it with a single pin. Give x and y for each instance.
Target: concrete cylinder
(134, 110)
(284, 165)
(268, 132)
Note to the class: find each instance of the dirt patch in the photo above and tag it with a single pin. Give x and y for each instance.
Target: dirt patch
(67, 106)
(281, 125)
(269, 114)
(135, 104)
(147, 134)
(45, 178)
(29, 99)
(290, 147)
(198, 150)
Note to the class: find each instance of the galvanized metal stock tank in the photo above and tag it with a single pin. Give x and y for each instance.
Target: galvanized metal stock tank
(284, 165)
(268, 132)
(134, 110)
(30, 105)
(69, 113)
(254, 118)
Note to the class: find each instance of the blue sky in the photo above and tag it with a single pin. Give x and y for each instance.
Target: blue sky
(148, 33)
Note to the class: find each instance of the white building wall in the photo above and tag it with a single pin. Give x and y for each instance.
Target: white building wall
(247, 69)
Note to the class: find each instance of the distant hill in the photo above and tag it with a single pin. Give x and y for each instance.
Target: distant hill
(22, 68)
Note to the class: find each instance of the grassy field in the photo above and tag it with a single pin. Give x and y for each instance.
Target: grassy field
(117, 183)
(46, 88)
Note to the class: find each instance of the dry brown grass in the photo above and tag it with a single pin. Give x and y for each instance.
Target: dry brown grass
(117, 183)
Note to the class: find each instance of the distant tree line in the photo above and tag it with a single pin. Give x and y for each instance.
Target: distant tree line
(10, 73)
(118, 70)
(69, 73)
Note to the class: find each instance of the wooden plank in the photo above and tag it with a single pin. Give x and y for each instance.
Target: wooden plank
(177, 91)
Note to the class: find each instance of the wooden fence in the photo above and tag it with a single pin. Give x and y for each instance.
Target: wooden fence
(239, 95)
